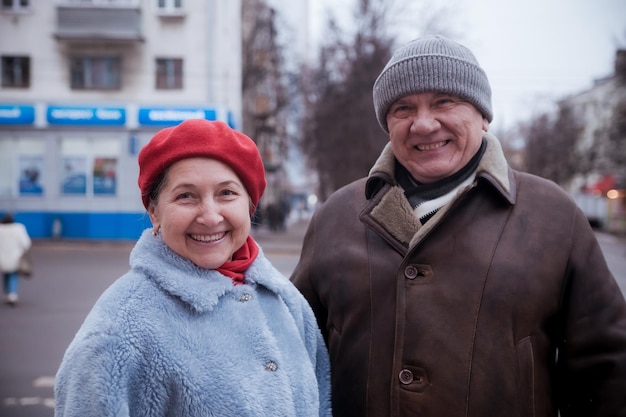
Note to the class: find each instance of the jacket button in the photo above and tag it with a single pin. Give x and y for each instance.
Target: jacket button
(245, 297)
(411, 272)
(406, 376)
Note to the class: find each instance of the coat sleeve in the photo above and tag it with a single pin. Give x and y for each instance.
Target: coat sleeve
(302, 277)
(23, 239)
(591, 364)
(319, 357)
(93, 379)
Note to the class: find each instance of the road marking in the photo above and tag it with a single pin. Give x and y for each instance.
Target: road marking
(41, 382)
(44, 382)
(27, 401)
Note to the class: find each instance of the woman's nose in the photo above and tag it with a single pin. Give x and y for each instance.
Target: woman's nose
(209, 213)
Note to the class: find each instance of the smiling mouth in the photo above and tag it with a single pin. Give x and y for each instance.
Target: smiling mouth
(431, 146)
(208, 238)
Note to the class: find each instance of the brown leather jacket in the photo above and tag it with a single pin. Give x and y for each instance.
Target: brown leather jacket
(501, 305)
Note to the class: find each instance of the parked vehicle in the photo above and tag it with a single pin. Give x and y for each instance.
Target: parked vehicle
(595, 207)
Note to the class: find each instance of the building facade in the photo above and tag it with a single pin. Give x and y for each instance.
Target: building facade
(87, 83)
(601, 193)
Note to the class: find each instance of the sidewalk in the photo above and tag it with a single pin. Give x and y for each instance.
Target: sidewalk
(288, 241)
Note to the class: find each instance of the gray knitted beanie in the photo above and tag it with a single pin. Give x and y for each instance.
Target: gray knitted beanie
(432, 64)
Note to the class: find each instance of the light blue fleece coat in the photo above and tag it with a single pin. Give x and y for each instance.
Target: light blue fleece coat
(172, 339)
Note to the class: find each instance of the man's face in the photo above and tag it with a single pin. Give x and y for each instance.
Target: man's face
(434, 135)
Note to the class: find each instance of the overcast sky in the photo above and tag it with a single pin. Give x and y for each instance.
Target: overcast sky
(534, 50)
(537, 51)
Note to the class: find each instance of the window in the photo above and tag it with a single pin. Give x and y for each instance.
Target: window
(170, 5)
(169, 74)
(89, 168)
(14, 5)
(96, 72)
(16, 71)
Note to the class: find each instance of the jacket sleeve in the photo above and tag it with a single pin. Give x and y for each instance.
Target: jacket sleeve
(591, 364)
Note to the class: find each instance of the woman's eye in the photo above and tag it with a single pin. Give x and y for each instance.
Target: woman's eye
(228, 192)
(183, 196)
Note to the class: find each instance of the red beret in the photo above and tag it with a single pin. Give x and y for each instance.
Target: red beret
(202, 138)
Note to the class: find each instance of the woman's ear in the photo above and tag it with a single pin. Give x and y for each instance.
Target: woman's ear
(485, 125)
(154, 218)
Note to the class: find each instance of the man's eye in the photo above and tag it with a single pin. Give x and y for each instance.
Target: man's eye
(444, 101)
(400, 111)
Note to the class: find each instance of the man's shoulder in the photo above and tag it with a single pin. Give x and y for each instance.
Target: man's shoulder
(352, 191)
(534, 189)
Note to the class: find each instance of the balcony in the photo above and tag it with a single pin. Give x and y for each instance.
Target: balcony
(99, 20)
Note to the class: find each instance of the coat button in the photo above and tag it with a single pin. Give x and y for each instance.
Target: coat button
(271, 366)
(406, 376)
(411, 272)
(245, 297)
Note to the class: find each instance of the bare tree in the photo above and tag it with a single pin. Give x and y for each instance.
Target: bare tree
(617, 142)
(265, 87)
(617, 128)
(267, 92)
(341, 137)
(551, 146)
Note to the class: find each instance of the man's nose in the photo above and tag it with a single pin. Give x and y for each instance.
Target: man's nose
(424, 122)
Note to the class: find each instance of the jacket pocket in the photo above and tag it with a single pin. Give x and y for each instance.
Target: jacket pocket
(526, 377)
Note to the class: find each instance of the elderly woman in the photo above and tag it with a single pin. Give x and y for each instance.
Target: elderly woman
(202, 324)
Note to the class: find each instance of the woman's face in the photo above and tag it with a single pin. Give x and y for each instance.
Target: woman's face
(202, 211)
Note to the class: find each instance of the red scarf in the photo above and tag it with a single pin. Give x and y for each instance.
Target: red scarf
(242, 259)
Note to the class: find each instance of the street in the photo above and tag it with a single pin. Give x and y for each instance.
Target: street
(68, 279)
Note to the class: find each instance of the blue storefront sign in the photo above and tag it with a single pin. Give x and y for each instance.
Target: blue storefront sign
(170, 116)
(86, 116)
(16, 114)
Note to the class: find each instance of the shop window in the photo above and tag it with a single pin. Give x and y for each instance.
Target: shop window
(170, 5)
(31, 166)
(14, 5)
(96, 72)
(6, 167)
(15, 71)
(89, 167)
(169, 74)
(104, 176)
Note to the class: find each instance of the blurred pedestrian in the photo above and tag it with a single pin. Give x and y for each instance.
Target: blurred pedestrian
(447, 283)
(14, 245)
(202, 324)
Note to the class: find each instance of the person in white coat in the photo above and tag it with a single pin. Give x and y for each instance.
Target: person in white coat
(14, 242)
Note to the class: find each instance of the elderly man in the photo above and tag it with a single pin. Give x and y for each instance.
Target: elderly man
(447, 283)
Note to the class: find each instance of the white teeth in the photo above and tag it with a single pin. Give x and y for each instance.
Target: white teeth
(431, 146)
(208, 238)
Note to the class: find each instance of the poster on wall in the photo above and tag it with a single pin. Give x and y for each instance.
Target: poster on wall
(104, 176)
(74, 175)
(31, 172)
